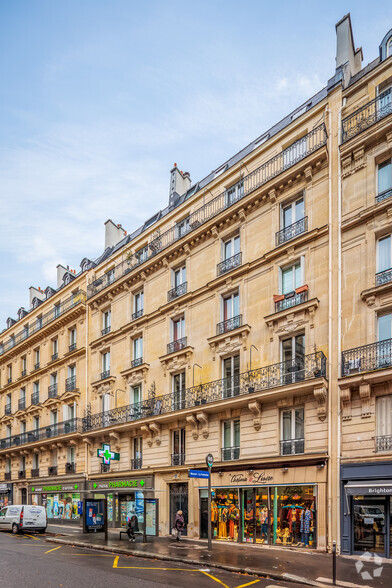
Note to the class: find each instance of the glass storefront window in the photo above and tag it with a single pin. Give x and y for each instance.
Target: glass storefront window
(369, 521)
(225, 514)
(293, 519)
(60, 506)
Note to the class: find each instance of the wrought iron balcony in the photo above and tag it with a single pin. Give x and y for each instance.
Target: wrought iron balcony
(52, 391)
(105, 468)
(70, 384)
(178, 459)
(55, 356)
(36, 366)
(70, 468)
(136, 362)
(106, 330)
(230, 453)
(22, 474)
(7, 409)
(285, 373)
(177, 291)
(384, 277)
(48, 432)
(7, 476)
(367, 358)
(291, 231)
(137, 463)
(21, 403)
(269, 170)
(35, 398)
(36, 325)
(9, 381)
(384, 443)
(292, 446)
(137, 314)
(367, 115)
(52, 471)
(384, 195)
(176, 345)
(72, 347)
(229, 325)
(34, 473)
(105, 374)
(291, 299)
(229, 264)
(24, 372)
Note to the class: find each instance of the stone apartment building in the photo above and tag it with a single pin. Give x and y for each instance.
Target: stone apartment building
(240, 321)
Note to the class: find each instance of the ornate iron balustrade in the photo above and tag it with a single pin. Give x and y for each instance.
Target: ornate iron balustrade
(52, 471)
(272, 168)
(7, 476)
(7, 409)
(9, 381)
(137, 314)
(178, 459)
(177, 291)
(292, 446)
(22, 474)
(48, 432)
(34, 473)
(24, 372)
(229, 264)
(37, 325)
(291, 300)
(52, 391)
(366, 116)
(280, 374)
(72, 347)
(105, 331)
(105, 374)
(230, 453)
(367, 358)
(136, 362)
(177, 345)
(21, 404)
(291, 231)
(137, 463)
(70, 468)
(35, 398)
(384, 195)
(229, 325)
(384, 277)
(55, 356)
(36, 366)
(70, 384)
(384, 443)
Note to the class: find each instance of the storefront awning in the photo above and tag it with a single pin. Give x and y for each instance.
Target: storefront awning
(370, 488)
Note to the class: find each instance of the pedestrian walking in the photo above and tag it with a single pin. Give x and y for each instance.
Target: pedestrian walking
(133, 526)
(179, 524)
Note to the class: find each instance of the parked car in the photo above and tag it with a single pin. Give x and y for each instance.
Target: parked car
(19, 518)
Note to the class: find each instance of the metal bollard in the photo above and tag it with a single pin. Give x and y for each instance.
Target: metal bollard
(334, 563)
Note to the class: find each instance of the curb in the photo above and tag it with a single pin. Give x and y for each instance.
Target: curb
(188, 561)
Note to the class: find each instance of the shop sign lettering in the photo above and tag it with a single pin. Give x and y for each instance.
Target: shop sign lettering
(254, 478)
(125, 483)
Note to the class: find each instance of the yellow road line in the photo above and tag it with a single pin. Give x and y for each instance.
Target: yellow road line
(32, 536)
(248, 584)
(116, 566)
(90, 554)
(215, 579)
(54, 549)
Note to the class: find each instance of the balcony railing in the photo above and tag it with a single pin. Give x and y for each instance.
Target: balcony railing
(367, 115)
(384, 277)
(35, 398)
(21, 403)
(105, 331)
(34, 473)
(292, 446)
(22, 474)
(36, 366)
(384, 195)
(137, 463)
(55, 356)
(178, 459)
(52, 471)
(24, 372)
(229, 325)
(48, 432)
(36, 325)
(136, 362)
(105, 374)
(229, 264)
(291, 231)
(9, 381)
(7, 476)
(280, 374)
(72, 347)
(230, 453)
(384, 443)
(137, 314)
(7, 409)
(367, 358)
(70, 384)
(269, 170)
(176, 345)
(52, 391)
(290, 300)
(70, 468)
(177, 291)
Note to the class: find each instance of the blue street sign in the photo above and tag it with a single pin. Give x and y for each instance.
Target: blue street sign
(199, 474)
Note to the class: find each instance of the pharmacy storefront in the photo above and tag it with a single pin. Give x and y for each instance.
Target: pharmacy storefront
(5, 495)
(63, 502)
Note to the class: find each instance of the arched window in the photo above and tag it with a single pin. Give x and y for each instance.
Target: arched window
(389, 47)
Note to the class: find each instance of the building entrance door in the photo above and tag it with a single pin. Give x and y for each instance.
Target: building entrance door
(255, 515)
(179, 501)
(369, 526)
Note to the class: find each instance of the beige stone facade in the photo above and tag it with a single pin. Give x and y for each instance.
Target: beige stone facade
(218, 328)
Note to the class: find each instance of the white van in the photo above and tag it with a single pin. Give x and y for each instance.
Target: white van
(18, 518)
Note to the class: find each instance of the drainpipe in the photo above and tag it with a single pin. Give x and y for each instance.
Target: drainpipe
(86, 448)
(330, 252)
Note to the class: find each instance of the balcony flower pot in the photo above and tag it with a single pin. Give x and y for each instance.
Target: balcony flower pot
(278, 297)
(301, 289)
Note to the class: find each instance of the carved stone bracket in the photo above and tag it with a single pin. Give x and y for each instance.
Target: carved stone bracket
(192, 421)
(156, 431)
(308, 173)
(116, 440)
(320, 394)
(89, 444)
(345, 403)
(364, 394)
(147, 434)
(202, 417)
(255, 409)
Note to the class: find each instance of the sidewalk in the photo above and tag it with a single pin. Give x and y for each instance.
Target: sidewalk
(309, 568)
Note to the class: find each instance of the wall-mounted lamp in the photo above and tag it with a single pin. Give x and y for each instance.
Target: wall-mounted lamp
(321, 466)
(221, 474)
(284, 470)
(250, 471)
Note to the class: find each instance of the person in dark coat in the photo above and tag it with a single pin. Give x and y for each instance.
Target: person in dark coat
(179, 524)
(133, 526)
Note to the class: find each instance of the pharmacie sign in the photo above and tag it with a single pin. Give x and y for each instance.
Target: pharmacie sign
(55, 488)
(116, 485)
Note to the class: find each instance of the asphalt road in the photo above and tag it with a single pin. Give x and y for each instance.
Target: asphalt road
(30, 562)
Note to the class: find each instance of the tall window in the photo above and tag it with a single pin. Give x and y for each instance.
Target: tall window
(384, 254)
(35, 465)
(178, 455)
(36, 389)
(24, 365)
(291, 277)
(72, 338)
(135, 401)
(9, 370)
(22, 395)
(178, 328)
(25, 331)
(384, 423)
(231, 247)
(234, 193)
(292, 213)
(37, 358)
(292, 431)
(178, 383)
(231, 306)
(384, 348)
(384, 176)
(389, 47)
(106, 363)
(106, 321)
(142, 254)
(138, 348)
(8, 465)
(56, 310)
(231, 376)
(72, 371)
(71, 455)
(55, 348)
(137, 453)
(138, 303)
(179, 276)
(293, 358)
(110, 276)
(182, 228)
(36, 423)
(231, 440)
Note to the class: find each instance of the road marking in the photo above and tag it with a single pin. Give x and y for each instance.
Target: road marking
(90, 554)
(32, 536)
(248, 584)
(225, 585)
(348, 584)
(54, 549)
(215, 579)
(116, 566)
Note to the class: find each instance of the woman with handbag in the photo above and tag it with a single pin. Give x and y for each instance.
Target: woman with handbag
(179, 525)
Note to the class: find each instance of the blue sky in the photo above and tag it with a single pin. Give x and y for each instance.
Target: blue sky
(98, 99)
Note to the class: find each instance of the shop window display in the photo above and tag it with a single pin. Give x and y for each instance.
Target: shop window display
(59, 506)
(225, 514)
(255, 515)
(293, 517)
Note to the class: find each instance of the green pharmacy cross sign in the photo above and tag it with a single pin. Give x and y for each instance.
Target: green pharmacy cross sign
(107, 455)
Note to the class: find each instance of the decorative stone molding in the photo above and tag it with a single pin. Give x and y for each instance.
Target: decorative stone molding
(345, 403)
(346, 166)
(146, 434)
(272, 195)
(364, 394)
(177, 360)
(136, 375)
(389, 139)
(292, 319)
(359, 158)
(255, 409)
(353, 162)
(320, 394)
(229, 342)
(192, 421)
(202, 417)
(308, 173)
(156, 431)
(115, 439)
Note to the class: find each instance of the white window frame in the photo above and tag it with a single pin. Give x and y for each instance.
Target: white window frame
(55, 346)
(180, 271)
(72, 336)
(182, 441)
(232, 241)
(137, 447)
(105, 358)
(182, 227)
(228, 297)
(138, 301)
(389, 159)
(173, 322)
(292, 411)
(137, 347)
(237, 189)
(282, 268)
(291, 204)
(231, 421)
(106, 318)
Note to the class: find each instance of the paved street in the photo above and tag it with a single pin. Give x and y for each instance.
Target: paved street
(30, 562)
